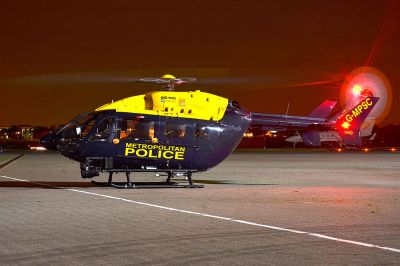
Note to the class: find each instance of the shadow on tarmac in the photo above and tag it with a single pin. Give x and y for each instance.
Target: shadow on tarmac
(60, 185)
(226, 182)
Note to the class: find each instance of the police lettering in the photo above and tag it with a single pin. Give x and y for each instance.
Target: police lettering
(154, 151)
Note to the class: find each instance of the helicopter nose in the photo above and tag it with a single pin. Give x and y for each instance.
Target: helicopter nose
(48, 141)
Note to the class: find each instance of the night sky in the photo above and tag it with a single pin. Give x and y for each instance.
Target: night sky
(60, 60)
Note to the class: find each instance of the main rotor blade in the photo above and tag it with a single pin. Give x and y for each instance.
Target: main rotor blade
(256, 79)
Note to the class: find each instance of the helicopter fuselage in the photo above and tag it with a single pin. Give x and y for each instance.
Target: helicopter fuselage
(172, 132)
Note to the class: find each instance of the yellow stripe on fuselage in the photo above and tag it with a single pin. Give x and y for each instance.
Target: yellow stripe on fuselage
(195, 105)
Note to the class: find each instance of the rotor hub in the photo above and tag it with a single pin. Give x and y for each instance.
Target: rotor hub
(169, 81)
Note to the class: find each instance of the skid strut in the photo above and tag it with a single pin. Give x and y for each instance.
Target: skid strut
(167, 184)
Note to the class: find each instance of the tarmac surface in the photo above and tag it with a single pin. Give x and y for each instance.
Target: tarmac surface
(256, 208)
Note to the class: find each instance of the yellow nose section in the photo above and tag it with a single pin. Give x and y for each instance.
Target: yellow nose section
(168, 76)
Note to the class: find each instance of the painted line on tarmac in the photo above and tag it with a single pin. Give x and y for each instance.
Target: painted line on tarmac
(358, 243)
(10, 161)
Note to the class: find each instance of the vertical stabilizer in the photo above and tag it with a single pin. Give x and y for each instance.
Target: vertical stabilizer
(350, 123)
(323, 110)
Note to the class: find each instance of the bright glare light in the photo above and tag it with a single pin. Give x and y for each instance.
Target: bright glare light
(339, 150)
(248, 135)
(356, 89)
(366, 150)
(39, 148)
(393, 149)
(345, 125)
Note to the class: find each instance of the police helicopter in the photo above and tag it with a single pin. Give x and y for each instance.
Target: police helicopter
(178, 133)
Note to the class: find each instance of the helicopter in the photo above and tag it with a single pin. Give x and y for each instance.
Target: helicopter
(178, 133)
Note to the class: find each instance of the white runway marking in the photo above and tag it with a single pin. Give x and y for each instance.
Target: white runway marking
(216, 217)
(16, 158)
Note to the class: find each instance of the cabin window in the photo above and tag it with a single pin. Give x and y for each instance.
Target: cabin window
(137, 129)
(173, 130)
(104, 129)
(201, 131)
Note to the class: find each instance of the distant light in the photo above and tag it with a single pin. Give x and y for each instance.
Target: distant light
(39, 148)
(339, 150)
(274, 131)
(366, 150)
(393, 149)
(356, 90)
(248, 135)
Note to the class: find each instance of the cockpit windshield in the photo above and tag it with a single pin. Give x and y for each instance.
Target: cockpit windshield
(79, 127)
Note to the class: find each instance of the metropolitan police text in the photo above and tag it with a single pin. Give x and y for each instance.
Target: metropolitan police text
(154, 151)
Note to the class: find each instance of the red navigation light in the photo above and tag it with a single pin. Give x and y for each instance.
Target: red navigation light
(345, 125)
(366, 93)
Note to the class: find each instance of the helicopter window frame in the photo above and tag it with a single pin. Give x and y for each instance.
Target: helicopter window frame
(105, 134)
(173, 130)
(133, 128)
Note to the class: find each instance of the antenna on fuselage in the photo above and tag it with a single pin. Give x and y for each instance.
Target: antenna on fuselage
(287, 109)
(168, 81)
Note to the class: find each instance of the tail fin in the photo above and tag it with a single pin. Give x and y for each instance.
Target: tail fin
(323, 110)
(350, 123)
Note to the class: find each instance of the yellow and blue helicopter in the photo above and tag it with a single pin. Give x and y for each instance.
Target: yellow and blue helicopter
(181, 133)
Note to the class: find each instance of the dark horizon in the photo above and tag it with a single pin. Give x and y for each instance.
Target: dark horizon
(58, 61)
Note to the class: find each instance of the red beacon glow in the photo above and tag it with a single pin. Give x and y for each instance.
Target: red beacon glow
(345, 125)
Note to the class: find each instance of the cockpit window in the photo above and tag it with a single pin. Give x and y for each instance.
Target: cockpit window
(84, 119)
(104, 130)
(88, 127)
(77, 128)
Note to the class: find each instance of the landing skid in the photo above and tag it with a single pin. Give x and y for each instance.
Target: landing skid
(138, 185)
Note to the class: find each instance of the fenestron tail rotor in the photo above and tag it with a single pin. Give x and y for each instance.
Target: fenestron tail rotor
(168, 81)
